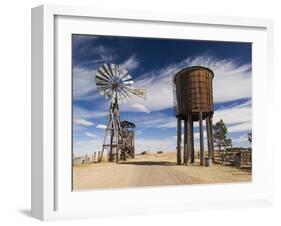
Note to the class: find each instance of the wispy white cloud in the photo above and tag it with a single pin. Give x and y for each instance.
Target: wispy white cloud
(158, 93)
(241, 127)
(99, 54)
(238, 117)
(241, 141)
(83, 81)
(84, 72)
(243, 138)
(79, 40)
(83, 122)
(81, 119)
(141, 108)
(101, 126)
(83, 113)
(156, 120)
(131, 63)
(89, 134)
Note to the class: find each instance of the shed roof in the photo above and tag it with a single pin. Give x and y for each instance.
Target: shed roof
(127, 124)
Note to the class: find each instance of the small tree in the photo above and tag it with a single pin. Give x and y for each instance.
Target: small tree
(250, 137)
(220, 137)
(227, 143)
(220, 131)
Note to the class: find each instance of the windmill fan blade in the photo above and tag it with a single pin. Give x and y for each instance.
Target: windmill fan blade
(101, 78)
(101, 82)
(115, 70)
(105, 70)
(110, 67)
(125, 92)
(122, 73)
(122, 94)
(129, 82)
(128, 77)
(103, 74)
(106, 92)
(108, 70)
(102, 87)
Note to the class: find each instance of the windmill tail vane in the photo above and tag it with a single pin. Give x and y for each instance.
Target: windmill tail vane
(116, 83)
(140, 92)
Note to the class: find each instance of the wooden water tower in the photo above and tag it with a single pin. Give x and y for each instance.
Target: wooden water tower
(193, 96)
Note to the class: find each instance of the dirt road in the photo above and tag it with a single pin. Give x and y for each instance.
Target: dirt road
(152, 170)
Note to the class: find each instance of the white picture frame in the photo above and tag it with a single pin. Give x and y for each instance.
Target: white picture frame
(52, 197)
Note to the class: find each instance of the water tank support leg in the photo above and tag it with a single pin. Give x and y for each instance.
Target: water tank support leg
(202, 157)
(179, 141)
(192, 143)
(185, 136)
(189, 141)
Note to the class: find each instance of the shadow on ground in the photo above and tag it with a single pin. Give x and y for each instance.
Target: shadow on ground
(149, 163)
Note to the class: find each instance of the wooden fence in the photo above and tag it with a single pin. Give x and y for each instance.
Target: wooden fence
(87, 159)
(239, 158)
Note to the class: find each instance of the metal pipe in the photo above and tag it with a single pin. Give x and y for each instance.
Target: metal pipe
(212, 138)
(208, 136)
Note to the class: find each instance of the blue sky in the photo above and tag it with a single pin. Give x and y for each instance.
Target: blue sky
(152, 63)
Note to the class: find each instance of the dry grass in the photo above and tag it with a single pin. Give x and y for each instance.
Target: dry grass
(153, 170)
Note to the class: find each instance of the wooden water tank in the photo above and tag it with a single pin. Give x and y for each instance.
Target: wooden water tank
(194, 92)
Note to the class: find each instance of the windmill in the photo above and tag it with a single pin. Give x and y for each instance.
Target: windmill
(116, 85)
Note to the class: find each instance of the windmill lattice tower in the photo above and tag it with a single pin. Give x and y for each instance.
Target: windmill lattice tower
(116, 84)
